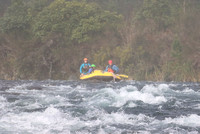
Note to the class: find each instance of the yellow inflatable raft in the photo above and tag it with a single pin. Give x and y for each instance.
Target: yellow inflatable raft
(104, 76)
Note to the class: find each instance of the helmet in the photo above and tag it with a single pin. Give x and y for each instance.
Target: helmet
(110, 61)
(93, 65)
(85, 59)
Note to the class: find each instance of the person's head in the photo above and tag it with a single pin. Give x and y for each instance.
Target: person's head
(93, 66)
(85, 60)
(110, 62)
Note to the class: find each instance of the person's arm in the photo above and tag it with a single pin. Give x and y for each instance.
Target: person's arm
(89, 71)
(106, 70)
(81, 68)
(115, 68)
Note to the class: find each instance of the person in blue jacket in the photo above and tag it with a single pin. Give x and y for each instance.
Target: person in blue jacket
(84, 67)
(92, 68)
(111, 68)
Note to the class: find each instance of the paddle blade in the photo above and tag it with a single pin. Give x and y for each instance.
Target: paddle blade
(123, 76)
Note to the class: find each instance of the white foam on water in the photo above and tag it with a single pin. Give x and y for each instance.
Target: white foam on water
(28, 120)
(48, 121)
(17, 90)
(101, 131)
(81, 86)
(35, 105)
(197, 106)
(189, 91)
(165, 91)
(54, 120)
(129, 88)
(3, 103)
(2, 99)
(143, 132)
(57, 88)
(193, 132)
(177, 130)
(23, 88)
(40, 122)
(100, 98)
(122, 118)
(51, 99)
(118, 118)
(123, 96)
(158, 89)
(192, 120)
(149, 123)
(131, 104)
(119, 97)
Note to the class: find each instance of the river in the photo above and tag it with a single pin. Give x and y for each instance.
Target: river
(75, 107)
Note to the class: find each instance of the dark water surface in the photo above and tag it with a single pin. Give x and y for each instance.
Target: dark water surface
(74, 107)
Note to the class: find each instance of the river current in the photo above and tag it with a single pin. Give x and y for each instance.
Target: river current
(75, 107)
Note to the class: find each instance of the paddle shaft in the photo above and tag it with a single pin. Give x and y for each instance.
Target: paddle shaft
(114, 76)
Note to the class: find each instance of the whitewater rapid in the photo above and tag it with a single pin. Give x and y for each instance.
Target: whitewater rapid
(74, 107)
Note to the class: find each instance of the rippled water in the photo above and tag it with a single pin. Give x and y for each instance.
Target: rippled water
(74, 107)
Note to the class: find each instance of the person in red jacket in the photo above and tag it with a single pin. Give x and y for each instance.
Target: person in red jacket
(111, 67)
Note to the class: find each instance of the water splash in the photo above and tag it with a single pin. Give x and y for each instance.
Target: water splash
(63, 107)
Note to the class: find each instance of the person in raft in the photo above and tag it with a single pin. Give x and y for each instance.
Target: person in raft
(111, 68)
(91, 69)
(84, 68)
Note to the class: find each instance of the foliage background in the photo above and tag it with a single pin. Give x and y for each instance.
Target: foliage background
(155, 40)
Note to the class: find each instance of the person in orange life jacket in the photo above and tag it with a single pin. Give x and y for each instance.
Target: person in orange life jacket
(84, 67)
(111, 67)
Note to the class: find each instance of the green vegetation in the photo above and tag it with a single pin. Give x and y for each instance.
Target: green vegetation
(154, 40)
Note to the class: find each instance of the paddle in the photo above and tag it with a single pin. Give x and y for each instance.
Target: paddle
(123, 76)
(114, 76)
(120, 75)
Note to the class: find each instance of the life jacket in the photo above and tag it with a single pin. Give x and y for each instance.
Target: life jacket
(110, 69)
(85, 68)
